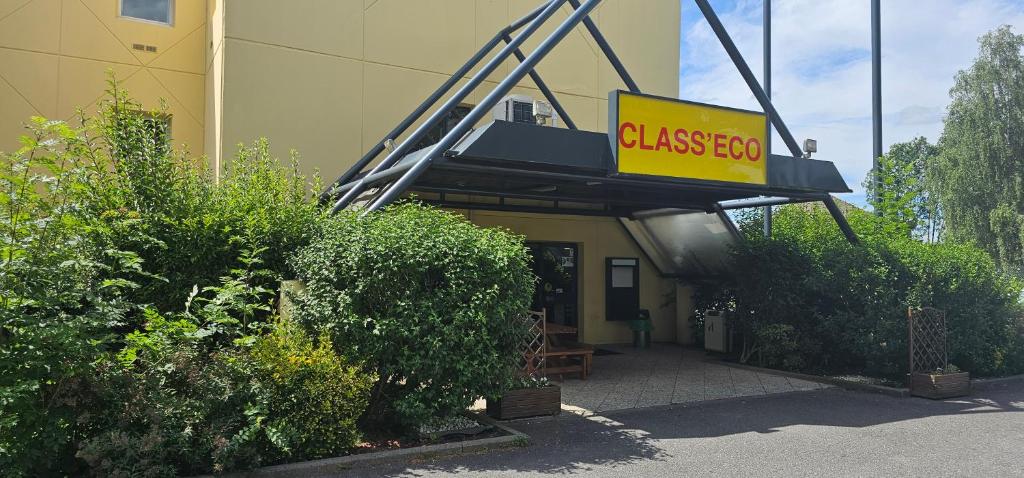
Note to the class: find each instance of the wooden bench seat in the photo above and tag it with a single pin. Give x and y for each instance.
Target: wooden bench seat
(583, 353)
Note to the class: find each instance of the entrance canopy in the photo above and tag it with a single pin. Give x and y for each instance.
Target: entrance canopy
(632, 172)
(558, 170)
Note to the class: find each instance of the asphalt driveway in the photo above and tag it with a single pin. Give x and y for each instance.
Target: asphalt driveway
(815, 433)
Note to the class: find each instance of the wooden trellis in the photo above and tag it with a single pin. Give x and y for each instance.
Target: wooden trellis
(532, 348)
(927, 341)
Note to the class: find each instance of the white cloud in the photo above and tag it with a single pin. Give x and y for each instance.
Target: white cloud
(821, 66)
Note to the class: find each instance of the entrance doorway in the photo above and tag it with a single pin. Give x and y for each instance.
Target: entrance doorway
(556, 265)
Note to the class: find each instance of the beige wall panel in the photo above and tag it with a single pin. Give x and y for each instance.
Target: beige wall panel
(8, 7)
(187, 55)
(187, 88)
(186, 128)
(214, 30)
(35, 27)
(34, 76)
(598, 238)
(389, 94)
(571, 66)
(645, 36)
(491, 17)
(684, 310)
(83, 82)
(299, 100)
(188, 16)
(16, 112)
(432, 35)
(85, 36)
(328, 26)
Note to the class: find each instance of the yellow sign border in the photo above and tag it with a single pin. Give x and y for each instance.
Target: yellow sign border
(750, 125)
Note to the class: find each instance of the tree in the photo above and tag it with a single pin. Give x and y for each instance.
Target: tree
(900, 192)
(978, 177)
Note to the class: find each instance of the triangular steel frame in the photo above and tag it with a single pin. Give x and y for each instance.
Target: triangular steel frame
(395, 178)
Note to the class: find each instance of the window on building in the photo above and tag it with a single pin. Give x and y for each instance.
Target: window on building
(157, 11)
(522, 112)
(447, 124)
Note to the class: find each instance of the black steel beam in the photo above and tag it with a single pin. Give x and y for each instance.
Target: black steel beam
(549, 9)
(748, 76)
(635, 204)
(492, 98)
(602, 43)
(543, 87)
(876, 86)
(844, 226)
(767, 40)
(524, 208)
(356, 168)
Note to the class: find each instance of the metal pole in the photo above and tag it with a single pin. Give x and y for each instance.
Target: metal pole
(837, 215)
(454, 101)
(876, 89)
(748, 76)
(422, 108)
(607, 49)
(767, 21)
(543, 87)
(488, 102)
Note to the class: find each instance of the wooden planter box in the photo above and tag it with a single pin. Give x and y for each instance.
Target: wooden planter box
(940, 386)
(526, 402)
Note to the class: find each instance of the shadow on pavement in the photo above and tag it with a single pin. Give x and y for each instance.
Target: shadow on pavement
(573, 444)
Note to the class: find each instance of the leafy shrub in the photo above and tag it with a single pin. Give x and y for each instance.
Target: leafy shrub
(311, 397)
(102, 230)
(62, 291)
(426, 298)
(175, 403)
(809, 300)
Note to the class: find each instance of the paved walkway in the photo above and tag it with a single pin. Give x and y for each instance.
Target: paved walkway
(832, 432)
(663, 375)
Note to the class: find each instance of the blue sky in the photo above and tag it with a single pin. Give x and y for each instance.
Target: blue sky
(821, 61)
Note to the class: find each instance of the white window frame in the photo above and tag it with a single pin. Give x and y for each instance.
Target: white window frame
(168, 23)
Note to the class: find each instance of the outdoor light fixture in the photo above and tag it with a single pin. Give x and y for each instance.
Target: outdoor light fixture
(810, 146)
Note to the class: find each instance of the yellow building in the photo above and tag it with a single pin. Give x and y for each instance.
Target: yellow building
(330, 78)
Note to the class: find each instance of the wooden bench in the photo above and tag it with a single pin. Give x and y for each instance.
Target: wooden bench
(584, 353)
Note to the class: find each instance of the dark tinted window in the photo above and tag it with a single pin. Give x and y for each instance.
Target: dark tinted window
(151, 10)
(436, 133)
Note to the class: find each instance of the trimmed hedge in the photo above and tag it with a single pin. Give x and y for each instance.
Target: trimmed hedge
(430, 301)
(808, 300)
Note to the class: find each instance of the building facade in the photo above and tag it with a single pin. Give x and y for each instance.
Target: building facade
(330, 78)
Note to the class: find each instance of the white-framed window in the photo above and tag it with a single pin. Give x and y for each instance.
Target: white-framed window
(155, 11)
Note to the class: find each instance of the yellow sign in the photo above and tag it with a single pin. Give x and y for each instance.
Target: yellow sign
(666, 137)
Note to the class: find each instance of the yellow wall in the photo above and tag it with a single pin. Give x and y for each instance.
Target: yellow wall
(54, 55)
(330, 78)
(597, 238)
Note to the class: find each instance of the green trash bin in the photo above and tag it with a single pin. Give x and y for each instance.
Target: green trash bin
(641, 327)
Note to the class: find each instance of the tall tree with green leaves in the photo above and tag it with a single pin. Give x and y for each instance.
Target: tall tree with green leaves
(897, 189)
(978, 177)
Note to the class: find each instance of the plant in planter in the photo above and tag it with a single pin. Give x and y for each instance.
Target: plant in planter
(531, 398)
(947, 382)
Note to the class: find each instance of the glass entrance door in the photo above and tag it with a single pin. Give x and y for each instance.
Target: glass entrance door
(556, 266)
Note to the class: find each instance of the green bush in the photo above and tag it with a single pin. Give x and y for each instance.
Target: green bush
(429, 300)
(172, 402)
(809, 300)
(311, 397)
(103, 228)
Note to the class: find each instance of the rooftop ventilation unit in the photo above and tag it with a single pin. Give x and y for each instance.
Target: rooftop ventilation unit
(524, 109)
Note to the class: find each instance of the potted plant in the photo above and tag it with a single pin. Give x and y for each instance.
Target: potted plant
(533, 397)
(945, 382)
